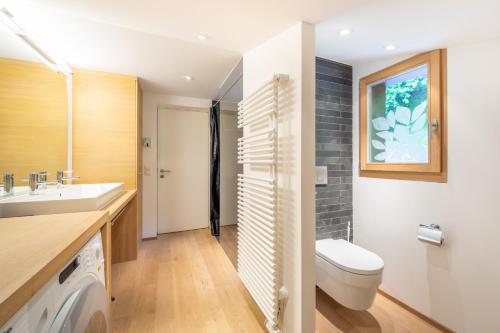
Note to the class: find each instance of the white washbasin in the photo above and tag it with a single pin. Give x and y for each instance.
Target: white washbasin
(18, 190)
(67, 199)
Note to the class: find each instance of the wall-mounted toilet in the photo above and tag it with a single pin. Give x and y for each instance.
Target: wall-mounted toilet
(348, 273)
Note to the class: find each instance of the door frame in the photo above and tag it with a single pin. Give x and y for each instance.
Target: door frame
(166, 107)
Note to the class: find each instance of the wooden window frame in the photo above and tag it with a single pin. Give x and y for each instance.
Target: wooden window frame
(436, 169)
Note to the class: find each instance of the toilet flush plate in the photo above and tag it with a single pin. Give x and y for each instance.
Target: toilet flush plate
(321, 175)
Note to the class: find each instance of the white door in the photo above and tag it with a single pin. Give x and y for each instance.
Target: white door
(229, 167)
(183, 170)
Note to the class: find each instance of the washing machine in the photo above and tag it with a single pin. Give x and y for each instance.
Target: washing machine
(73, 301)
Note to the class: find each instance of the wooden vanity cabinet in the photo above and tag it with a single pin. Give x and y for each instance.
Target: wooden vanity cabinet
(124, 233)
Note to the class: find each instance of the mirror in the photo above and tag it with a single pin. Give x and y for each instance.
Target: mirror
(33, 110)
(229, 168)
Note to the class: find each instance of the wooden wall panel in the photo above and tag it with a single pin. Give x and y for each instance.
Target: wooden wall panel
(33, 117)
(105, 128)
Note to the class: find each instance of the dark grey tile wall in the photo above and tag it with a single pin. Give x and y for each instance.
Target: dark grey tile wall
(334, 148)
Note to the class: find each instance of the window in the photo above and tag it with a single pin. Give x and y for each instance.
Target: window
(403, 120)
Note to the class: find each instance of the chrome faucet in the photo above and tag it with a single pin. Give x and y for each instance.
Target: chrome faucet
(38, 180)
(8, 183)
(61, 178)
(42, 179)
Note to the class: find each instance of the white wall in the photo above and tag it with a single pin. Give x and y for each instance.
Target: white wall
(292, 52)
(151, 101)
(458, 284)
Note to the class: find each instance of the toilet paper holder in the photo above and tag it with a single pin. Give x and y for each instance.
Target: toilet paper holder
(430, 233)
(431, 226)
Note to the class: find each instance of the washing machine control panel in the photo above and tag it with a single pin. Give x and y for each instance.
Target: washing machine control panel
(89, 259)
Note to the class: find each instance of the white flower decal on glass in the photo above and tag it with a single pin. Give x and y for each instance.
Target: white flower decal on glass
(380, 124)
(378, 145)
(403, 115)
(403, 135)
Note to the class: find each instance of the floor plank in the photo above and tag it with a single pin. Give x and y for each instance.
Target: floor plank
(182, 282)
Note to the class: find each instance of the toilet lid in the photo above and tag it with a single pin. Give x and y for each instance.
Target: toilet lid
(349, 257)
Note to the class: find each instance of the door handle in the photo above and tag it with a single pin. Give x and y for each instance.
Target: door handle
(164, 171)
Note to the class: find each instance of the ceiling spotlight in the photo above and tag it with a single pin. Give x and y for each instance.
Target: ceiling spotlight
(188, 78)
(202, 37)
(345, 32)
(391, 47)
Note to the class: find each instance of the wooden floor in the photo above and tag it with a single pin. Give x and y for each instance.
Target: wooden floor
(184, 282)
(228, 240)
(384, 316)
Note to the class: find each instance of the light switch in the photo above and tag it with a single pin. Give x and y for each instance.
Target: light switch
(147, 170)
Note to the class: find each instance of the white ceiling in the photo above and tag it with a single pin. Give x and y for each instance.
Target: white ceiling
(12, 47)
(236, 25)
(160, 62)
(157, 40)
(414, 26)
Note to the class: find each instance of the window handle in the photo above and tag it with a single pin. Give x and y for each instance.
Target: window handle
(434, 125)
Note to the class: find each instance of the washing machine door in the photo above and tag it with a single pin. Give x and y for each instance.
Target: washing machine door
(84, 311)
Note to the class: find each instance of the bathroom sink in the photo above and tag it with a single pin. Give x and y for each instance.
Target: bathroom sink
(18, 190)
(53, 200)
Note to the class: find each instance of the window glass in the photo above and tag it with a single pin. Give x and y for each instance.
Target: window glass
(398, 118)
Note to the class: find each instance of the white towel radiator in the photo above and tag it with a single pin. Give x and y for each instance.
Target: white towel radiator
(259, 255)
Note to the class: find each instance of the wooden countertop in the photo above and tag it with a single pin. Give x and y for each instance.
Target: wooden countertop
(34, 248)
(116, 206)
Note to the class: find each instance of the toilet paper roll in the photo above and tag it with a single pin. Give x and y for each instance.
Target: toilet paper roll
(431, 234)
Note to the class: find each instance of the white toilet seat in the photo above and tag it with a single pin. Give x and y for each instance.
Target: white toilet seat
(349, 257)
(344, 277)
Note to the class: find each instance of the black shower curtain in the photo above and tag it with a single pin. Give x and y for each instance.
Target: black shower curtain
(214, 169)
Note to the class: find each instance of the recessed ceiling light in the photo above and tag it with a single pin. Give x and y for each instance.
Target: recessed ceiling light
(345, 32)
(187, 77)
(202, 37)
(391, 47)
